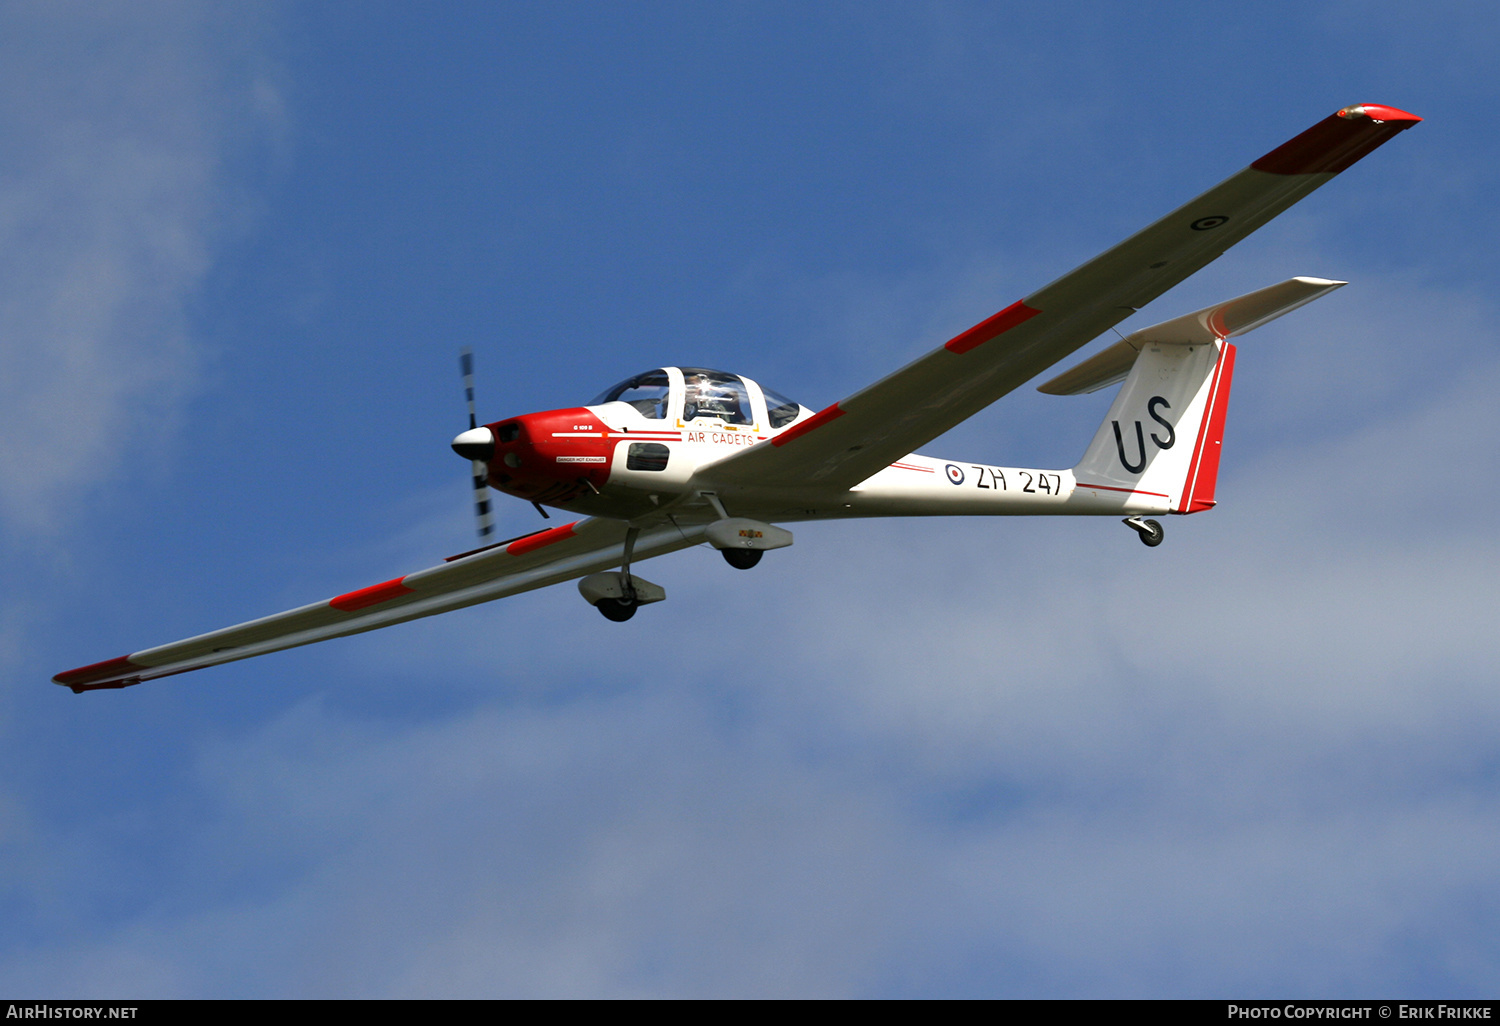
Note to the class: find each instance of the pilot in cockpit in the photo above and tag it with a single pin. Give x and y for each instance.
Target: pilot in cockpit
(708, 398)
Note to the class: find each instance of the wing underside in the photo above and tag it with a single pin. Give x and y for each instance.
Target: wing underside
(859, 436)
(522, 564)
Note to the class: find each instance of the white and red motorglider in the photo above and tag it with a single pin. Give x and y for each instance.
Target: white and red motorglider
(677, 457)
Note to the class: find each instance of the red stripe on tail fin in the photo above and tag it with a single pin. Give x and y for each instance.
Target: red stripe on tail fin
(1203, 472)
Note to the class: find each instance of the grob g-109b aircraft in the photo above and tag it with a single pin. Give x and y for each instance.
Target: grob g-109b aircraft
(679, 456)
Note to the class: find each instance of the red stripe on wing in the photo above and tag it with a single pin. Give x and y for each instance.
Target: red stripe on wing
(1017, 313)
(817, 420)
(371, 596)
(536, 541)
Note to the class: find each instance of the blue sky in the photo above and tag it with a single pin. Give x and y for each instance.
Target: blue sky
(242, 246)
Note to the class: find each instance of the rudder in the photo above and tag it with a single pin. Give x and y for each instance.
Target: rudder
(1161, 440)
(1177, 376)
(1203, 470)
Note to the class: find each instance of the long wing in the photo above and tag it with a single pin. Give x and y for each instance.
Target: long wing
(855, 437)
(534, 561)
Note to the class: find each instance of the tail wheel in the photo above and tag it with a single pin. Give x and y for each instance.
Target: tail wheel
(1153, 534)
(741, 559)
(618, 610)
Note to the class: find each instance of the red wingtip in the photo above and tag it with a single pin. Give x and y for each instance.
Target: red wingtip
(84, 677)
(1337, 141)
(1378, 112)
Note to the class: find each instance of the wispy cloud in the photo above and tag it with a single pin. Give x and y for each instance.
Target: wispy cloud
(969, 757)
(122, 125)
(978, 757)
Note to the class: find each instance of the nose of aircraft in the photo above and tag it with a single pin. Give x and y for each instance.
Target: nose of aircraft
(476, 444)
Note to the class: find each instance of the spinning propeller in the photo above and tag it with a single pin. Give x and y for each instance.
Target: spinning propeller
(478, 444)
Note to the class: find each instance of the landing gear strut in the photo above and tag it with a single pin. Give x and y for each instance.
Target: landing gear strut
(617, 594)
(623, 607)
(1150, 531)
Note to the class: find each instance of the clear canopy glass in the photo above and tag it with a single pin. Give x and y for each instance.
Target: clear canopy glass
(648, 393)
(711, 393)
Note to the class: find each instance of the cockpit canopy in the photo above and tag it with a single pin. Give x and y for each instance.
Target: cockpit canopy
(697, 393)
(648, 393)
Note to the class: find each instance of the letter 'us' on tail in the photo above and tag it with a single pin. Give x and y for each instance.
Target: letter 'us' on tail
(1159, 445)
(1158, 448)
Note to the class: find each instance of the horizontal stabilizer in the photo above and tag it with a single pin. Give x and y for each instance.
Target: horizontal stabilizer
(1223, 320)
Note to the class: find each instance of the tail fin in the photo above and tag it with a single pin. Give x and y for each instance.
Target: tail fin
(1160, 442)
(1159, 446)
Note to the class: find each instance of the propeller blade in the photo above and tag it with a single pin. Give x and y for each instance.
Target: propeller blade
(466, 364)
(482, 513)
(482, 500)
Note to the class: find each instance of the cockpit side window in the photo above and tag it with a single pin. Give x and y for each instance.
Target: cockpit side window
(709, 393)
(647, 392)
(780, 410)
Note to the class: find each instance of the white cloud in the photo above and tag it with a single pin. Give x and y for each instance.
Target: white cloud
(981, 757)
(622, 846)
(121, 124)
(986, 757)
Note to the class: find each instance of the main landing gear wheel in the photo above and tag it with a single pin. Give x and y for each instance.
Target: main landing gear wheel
(741, 559)
(618, 610)
(1151, 531)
